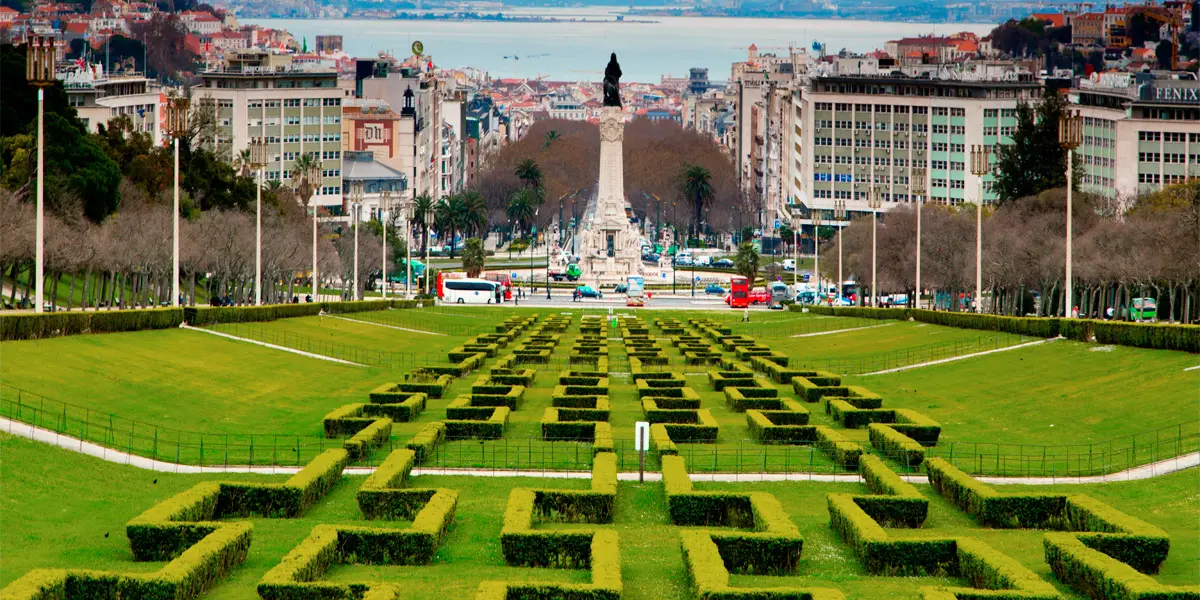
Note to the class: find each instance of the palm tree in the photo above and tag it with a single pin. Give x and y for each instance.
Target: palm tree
(242, 162)
(786, 234)
(529, 173)
(550, 137)
(745, 262)
(449, 216)
(422, 206)
(300, 169)
(473, 257)
(475, 214)
(521, 208)
(697, 188)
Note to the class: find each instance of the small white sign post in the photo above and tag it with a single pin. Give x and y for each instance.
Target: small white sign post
(641, 443)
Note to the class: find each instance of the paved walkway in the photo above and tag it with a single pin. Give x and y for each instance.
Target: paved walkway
(838, 331)
(272, 346)
(964, 356)
(1162, 467)
(382, 325)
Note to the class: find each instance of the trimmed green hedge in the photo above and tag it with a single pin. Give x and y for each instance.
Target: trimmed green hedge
(1103, 577)
(32, 326)
(426, 440)
(491, 428)
(812, 391)
(432, 389)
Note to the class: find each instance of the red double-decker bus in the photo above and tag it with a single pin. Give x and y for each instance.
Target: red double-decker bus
(739, 292)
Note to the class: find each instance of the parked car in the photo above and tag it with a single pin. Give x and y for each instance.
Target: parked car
(722, 263)
(621, 288)
(789, 265)
(713, 288)
(760, 296)
(651, 257)
(588, 291)
(703, 261)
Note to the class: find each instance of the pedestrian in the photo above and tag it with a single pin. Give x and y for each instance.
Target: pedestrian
(746, 315)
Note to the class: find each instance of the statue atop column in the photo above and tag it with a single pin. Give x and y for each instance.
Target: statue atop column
(612, 82)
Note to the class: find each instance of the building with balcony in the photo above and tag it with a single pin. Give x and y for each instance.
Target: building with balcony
(99, 97)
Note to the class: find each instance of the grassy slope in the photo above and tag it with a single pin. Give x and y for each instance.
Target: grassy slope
(88, 504)
(1058, 393)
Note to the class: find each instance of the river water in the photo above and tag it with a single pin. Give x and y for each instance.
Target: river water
(578, 51)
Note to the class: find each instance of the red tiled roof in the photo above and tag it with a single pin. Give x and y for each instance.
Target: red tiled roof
(1055, 19)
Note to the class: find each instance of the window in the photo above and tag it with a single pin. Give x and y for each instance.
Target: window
(333, 137)
(940, 129)
(957, 166)
(312, 138)
(937, 164)
(1008, 131)
(331, 173)
(957, 184)
(1174, 136)
(331, 155)
(312, 101)
(312, 119)
(1148, 178)
(272, 121)
(885, 144)
(900, 145)
(842, 160)
(843, 106)
(939, 146)
(824, 106)
(1149, 136)
(958, 112)
(990, 113)
(900, 127)
(254, 104)
(920, 110)
(937, 183)
(843, 142)
(957, 148)
(862, 125)
(900, 162)
(843, 124)
(1008, 113)
(333, 119)
(292, 120)
(900, 109)
(939, 111)
(862, 107)
(333, 102)
(291, 139)
(883, 108)
(822, 141)
(862, 143)
(291, 102)
(823, 124)
(1149, 157)
(289, 156)
(882, 125)
(920, 128)
(883, 161)
(272, 104)
(958, 130)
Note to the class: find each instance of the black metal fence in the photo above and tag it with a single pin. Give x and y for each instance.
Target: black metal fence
(894, 359)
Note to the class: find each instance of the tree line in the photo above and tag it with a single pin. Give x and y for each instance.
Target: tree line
(1151, 250)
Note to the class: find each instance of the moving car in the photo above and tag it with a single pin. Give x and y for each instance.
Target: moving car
(713, 288)
(588, 291)
(570, 274)
(722, 263)
(620, 288)
(779, 293)
(789, 265)
(760, 296)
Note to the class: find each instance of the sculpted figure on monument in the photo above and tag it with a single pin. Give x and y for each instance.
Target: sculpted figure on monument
(612, 82)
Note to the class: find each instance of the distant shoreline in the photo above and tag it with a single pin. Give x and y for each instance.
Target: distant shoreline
(501, 17)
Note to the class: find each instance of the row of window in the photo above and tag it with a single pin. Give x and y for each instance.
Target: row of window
(289, 102)
(1099, 142)
(902, 109)
(1168, 136)
(1107, 182)
(1099, 123)
(1099, 161)
(864, 143)
(1007, 130)
(992, 113)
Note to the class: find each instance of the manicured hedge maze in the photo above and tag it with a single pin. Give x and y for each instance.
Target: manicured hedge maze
(382, 496)
(596, 548)
(860, 520)
(579, 410)
(186, 531)
(1104, 552)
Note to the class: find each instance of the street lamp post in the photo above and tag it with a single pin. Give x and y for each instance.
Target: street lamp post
(529, 248)
(918, 191)
(312, 181)
(816, 222)
(39, 72)
(177, 127)
(874, 202)
(356, 200)
(980, 159)
(428, 230)
(795, 253)
(839, 213)
(258, 160)
(1070, 135)
(385, 208)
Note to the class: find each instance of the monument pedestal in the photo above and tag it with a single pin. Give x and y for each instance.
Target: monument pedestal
(611, 248)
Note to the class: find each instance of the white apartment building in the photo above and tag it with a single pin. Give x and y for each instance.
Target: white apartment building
(99, 97)
(852, 133)
(1140, 133)
(418, 96)
(296, 108)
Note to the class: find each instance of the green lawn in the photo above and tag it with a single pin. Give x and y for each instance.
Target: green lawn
(52, 519)
(1061, 392)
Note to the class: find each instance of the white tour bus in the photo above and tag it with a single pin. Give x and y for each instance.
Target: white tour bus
(469, 291)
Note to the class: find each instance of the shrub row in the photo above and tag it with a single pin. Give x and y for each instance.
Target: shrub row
(523, 377)
(896, 445)
(490, 428)
(1162, 336)
(345, 420)
(1103, 577)
(32, 326)
(369, 438)
(811, 391)
(709, 576)
(434, 386)
(426, 440)
(654, 413)
(289, 499)
(208, 315)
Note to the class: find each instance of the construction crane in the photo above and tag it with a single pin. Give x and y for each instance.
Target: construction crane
(516, 59)
(1172, 18)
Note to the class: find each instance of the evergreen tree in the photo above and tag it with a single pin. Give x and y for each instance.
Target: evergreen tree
(1034, 161)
